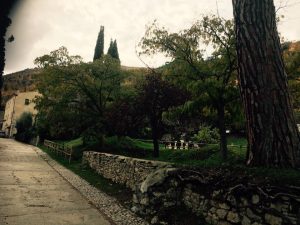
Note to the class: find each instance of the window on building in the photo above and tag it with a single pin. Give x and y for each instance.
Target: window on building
(26, 101)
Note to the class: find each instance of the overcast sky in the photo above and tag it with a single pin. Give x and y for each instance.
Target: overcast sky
(40, 26)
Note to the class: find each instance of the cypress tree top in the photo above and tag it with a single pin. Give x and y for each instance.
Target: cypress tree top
(115, 53)
(99, 49)
(113, 49)
(110, 49)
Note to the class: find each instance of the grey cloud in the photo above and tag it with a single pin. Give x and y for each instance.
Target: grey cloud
(41, 26)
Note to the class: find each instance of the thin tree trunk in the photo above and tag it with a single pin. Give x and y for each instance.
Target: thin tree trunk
(222, 132)
(155, 140)
(272, 132)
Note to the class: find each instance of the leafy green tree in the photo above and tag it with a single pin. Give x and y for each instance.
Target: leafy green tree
(156, 96)
(78, 91)
(24, 127)
(125, 117)
(57, 58)
(58, 106)
(99, 48)
(211, 80)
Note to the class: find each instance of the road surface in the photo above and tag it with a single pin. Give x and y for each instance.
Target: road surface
(32, 193)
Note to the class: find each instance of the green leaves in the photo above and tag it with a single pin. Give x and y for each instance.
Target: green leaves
(203, 63)
(59, 57)
(291, 56)
(24, 127)
(73, 90)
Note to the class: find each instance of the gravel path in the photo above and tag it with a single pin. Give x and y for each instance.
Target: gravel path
(106, 204)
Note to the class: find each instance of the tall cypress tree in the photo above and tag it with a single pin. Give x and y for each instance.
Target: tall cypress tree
(100, 44)
(115, 52)
(113, 49)
(110, 49)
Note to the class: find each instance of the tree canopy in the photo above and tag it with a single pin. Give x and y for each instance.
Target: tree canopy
(77, 90)
(212, 80)
(156, 96)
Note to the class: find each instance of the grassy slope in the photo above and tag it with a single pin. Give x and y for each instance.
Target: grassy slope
(206, 157)
(74, 143)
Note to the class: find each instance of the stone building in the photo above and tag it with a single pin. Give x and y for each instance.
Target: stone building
(18, 104)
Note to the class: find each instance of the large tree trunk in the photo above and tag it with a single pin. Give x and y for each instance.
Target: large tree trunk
(272, 132)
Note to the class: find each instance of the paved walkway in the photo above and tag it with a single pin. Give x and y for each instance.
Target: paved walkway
(32, 193)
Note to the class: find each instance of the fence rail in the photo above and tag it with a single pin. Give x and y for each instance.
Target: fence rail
(59, 149)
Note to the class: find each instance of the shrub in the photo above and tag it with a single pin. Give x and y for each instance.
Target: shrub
(25, 130)
(208, 135)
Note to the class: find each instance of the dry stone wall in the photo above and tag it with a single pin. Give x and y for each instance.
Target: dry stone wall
(121, 169)
(238, 204)
(217, 199)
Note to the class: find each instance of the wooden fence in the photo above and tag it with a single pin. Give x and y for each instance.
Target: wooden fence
(59, 149)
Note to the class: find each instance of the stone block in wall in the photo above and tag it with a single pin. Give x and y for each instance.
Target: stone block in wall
(121, 169)
(242, 204)
(158, 186)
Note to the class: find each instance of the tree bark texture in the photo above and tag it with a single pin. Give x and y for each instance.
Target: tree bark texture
(272, 132)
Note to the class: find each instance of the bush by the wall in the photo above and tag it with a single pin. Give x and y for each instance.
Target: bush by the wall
(25, 129)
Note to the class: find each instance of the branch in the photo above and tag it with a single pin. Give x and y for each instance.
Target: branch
(147, 66)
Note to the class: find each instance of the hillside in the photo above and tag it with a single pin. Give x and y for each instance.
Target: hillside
(295, 47)
(23, 81)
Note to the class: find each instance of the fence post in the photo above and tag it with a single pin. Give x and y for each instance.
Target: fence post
(71, 151)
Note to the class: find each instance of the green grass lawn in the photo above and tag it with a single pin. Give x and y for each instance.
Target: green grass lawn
(74, 143)
(208, 157)
(237, 141)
